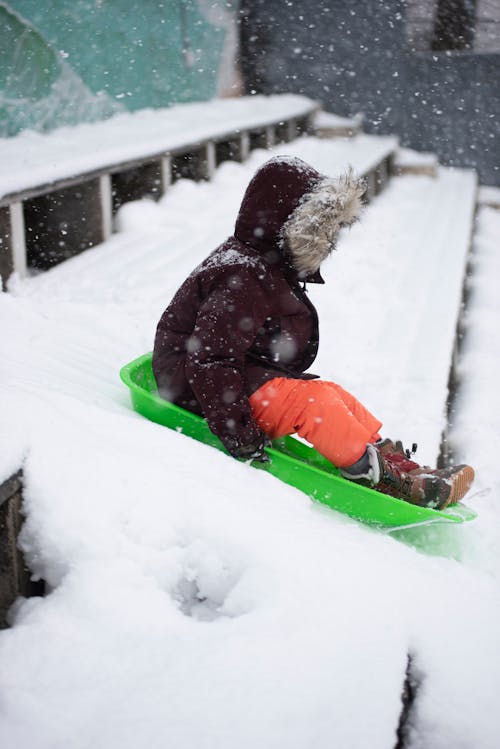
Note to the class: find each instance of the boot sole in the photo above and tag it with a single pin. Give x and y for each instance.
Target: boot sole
(460, 483)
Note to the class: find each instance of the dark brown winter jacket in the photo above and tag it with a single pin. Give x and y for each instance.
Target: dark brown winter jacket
(242, 316)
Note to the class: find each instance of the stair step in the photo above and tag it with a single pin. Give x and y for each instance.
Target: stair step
(408, 161)
(392, 300)
(329, 125)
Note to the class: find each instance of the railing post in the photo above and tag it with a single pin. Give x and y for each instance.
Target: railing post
(270, 136)
(18, 238)
(12, 242)
(106, 206)
(292, 129)
(244, 145)
(166, 173)
(6, 259)
(210, 159)
(371, 188)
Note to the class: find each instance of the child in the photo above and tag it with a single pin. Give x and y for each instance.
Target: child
(236, 340)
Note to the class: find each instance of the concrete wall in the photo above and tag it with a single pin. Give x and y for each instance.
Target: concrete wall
(354, 56)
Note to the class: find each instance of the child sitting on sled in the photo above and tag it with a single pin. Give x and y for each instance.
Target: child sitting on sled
(235, 342)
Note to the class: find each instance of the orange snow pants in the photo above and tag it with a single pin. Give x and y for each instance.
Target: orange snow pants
(321, 412)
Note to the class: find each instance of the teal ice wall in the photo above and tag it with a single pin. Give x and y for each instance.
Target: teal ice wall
(68, 61)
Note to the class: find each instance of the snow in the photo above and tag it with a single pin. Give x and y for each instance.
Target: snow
(475, 420)
(489, 196)
(197, 602)
(407, 157)
(362, 152)
(30, 159)
(329, 119)
(392, 266)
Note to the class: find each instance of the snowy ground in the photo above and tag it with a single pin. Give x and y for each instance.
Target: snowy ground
(199, 603)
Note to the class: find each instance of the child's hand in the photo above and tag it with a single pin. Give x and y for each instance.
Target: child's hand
(254, 451)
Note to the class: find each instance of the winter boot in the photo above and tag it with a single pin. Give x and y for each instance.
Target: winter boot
(388, 447)
(360, 471)
(395, 474)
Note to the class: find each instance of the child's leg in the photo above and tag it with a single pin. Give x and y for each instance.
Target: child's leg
(321, 412)
(358, 410)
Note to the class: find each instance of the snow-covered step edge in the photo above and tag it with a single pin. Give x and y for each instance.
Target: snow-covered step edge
(456, 253)
(474, 432)
(446, 455)
(409, 254)
(474, 399)
(15, 579)
(330, 125)
(458, 306)
(489, 197)
(408, 161)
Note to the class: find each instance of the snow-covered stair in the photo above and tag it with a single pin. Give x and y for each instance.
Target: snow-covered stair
(388, 311)
(185, 583)
(59, 191)
(390, 308)
(31, 160)
(474, 432)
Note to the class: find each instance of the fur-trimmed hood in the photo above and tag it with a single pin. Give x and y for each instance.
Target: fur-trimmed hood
(291, 213)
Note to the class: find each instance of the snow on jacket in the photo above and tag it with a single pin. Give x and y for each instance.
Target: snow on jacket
(242, 317)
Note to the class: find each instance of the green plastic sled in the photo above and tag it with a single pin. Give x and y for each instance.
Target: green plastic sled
(291, 461)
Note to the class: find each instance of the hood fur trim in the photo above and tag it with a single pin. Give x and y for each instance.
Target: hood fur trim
(310, 233)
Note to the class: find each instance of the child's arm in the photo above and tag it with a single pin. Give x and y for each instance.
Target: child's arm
(225, 328)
